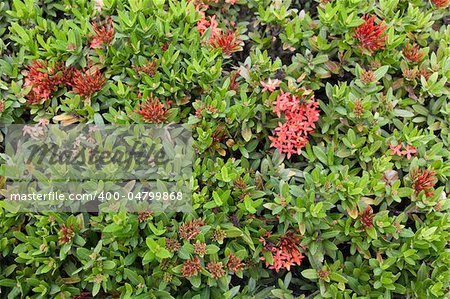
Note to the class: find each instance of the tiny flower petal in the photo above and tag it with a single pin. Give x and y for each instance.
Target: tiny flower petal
(228, 42)
(271, 85)
(104, 34)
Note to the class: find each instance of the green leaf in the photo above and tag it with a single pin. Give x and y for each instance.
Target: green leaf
(109, 265)
(338, 277)
(132, 276)
(320, 154)
(224, 172)
(371, 232)
(9, 283)
(403, 113)
(211, 249)
(21, 32)
(428, 232)
(248, 239)
(151, 244)
(309, 273)
(196, 281)
(379, 73)
(234, 232)
(95, 289)
(247, 134)
(113, 227)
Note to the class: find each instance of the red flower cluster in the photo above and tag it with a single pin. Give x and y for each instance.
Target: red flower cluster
(409, 150)
(190, 230)
(366, 217)
(44, 79)
(103, 33)
(153, 111)
(271, 85)
(216, 269)
(301, 116)
(441, 3)
(150, 68)
(87, 82)
(424, 181)
(173, 245)
(412, 53)
(83, 295)
(286, 254)
(66, 234)
(234, 84)
(370, 35)
(235, 264)
(203, 5)
(209, 108)
(203, 24)
(191, 267)
(228, 42)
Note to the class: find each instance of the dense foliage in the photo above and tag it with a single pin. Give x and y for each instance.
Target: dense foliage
(322, 132)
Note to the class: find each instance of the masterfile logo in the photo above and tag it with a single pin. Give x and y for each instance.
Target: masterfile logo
(92, 167)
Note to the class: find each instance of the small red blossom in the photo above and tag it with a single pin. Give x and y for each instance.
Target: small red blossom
(83, 295)
(191, 267)
(200, 248)
(366, 217)
(37, 77)
(153, 111)
(286, 254)
(190, 230)
(88, 81)
(371, 36)
(66, 234)
(43, 122)
(203, 24)
(323, 274)
(271, 85)
(165, 47)
(216, 269)
(208, 109)
(368, 77)
(424, 181)
(173, 245)
(396, 149)
(104, 34)
(45, 79)
(144, 215)
(425, 73)
(228, 42)
(409, 151)
(412, 53)
(200, 6)
(150, 68)
(358, 110)
(301, 116)
(234, 84)
(441, 3)
(235, 264)
(286, 103)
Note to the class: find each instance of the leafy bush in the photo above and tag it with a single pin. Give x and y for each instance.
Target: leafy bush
(322, 134)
